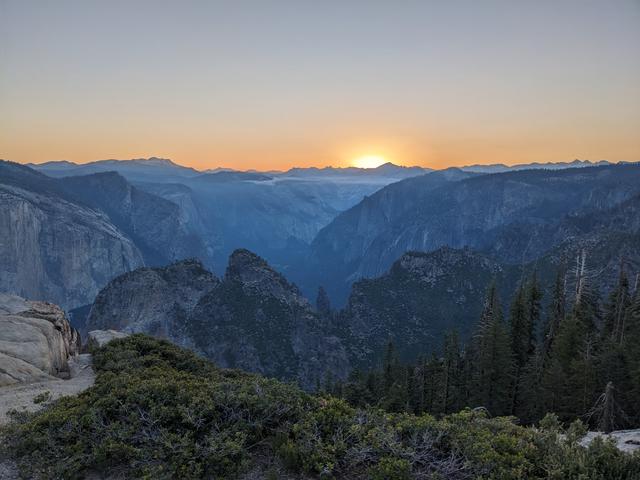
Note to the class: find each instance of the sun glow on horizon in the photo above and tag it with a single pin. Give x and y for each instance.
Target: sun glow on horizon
(369, 161)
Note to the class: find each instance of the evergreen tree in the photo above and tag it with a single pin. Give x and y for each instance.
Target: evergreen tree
(533, 298)
(524, 321)
(579, 368)
(631, 351)
(529, 406)
(555, 315)
(417, 395)
(519, 329)
(389, 367)
(323, 304)
(492, 374)
(616, 309)
(356, 391)
(432, 387)
(450, 372)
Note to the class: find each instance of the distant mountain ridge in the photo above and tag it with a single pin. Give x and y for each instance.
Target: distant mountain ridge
(139, 169)
(64, 239)
(331, 226)
(53, 247)
(427, 212)
(501, 167)
(154, 166)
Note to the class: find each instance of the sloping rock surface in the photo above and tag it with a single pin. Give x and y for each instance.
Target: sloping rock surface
(36, 341)
(99, 338)
(252, 319)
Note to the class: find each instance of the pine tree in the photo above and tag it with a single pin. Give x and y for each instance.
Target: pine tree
(323, 304)
(417, 396)
(389, 365)
(616, 308)
(525, 319)
(533, 299)
(519, 329)
(450, 372)
(631, 352)
(555, 315)
(572, 370)
(530, 401)
(432, 386)
(492, 374)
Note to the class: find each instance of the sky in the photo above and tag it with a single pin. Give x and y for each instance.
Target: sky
(275, 84)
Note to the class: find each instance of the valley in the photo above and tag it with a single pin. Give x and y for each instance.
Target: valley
(421, 283)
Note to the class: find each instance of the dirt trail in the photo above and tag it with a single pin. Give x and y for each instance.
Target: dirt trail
(20, 397)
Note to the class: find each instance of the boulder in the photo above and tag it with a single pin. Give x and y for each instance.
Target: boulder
(36, 341)
(99, 338)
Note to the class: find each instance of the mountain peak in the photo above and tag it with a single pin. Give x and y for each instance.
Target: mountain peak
(257, 277)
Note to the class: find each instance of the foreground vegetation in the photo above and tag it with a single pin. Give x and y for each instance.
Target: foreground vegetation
(158, 411)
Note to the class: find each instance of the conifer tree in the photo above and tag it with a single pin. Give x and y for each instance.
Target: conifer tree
(529, 405)
(519, 329)
(631, 351)
(555, 315)
(616, 308)
(450, 372)
(579, 369)
(323, 304)
(492, 374)
(533, 300)
(389, 365)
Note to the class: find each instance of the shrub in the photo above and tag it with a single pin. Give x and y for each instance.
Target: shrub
(158, 411)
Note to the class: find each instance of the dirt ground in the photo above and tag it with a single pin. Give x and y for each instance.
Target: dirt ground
(20, 397)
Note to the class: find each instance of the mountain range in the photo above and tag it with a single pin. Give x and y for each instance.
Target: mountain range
(514, 216)
(403, 253)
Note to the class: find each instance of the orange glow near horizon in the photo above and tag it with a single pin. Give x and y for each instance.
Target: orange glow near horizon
(265, 157)
(315, 84)
(438, 151)
(369, 161)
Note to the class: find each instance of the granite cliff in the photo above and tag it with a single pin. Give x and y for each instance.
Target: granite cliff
(52, 247)
(252, 318)
(514, 216)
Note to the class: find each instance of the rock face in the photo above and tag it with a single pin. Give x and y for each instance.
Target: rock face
(52, 247)
(155, 224)
(498, 213)
(420, 298)
(252, 319)
(256, 320)
(36, 341)
(157, 301)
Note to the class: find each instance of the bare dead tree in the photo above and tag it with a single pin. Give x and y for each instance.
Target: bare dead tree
(607, 413)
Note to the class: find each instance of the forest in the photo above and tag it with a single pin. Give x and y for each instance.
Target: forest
(573, 354)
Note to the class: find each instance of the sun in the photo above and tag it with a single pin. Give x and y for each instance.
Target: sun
(369, 161)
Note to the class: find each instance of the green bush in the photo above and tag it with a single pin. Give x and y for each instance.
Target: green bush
(160, 412)
(42, 397)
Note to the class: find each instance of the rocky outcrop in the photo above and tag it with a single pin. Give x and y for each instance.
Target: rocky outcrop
(252, 319)
(99, 338)
(155, 224)
(258, 321)
(157, 301)
(423, 296)
(36, 341)
(52, 247)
